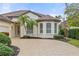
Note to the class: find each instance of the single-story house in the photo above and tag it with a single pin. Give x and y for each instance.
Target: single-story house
(47, 25)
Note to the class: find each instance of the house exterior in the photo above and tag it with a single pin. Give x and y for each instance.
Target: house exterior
(47, 25)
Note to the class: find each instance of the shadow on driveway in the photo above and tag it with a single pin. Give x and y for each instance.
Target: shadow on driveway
(16, 50)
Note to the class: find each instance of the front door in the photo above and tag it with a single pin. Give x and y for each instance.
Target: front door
(17, 30)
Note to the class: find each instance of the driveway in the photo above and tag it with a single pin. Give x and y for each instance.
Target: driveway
(44, 47)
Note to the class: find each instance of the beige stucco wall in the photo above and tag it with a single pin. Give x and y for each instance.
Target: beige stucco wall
(4, 23)
(12, 30)
(22, 30)
(15, 19)
(31, 15)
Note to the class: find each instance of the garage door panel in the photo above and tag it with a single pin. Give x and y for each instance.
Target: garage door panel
(4, 29)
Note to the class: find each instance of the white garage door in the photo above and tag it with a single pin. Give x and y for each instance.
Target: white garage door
(4, 29)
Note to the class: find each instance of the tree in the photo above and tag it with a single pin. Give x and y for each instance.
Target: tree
(65, 23)
(26, 21)
(72, 12)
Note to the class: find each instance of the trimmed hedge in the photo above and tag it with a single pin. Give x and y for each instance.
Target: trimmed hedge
(61, 32)
(5, 50)
(74, 33)
(5, 39)
(58, 37)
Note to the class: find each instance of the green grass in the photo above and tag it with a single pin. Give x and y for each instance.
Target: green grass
(74, 42)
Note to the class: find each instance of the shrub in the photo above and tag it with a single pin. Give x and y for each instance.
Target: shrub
(74, 33)
(61, 31)
(5, 39)
(58, 37)
(6, 33)
(5, 50)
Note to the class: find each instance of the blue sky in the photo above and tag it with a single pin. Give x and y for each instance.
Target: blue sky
(44, 8)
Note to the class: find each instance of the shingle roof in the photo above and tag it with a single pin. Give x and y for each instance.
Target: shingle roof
(20, 12)
(4, 18)
(42, 17)
(15, 13)
(48, 18)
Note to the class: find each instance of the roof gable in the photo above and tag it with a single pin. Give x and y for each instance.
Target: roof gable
(23, 12)
(19, 13)
(32, 15)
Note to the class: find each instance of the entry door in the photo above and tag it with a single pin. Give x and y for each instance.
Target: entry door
(17, 30)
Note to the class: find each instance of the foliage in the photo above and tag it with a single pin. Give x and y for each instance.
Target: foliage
(58, 37)
(5, 39)
(74, 33)
(74, 42)
(5, 50)
(26, 21)
(72, 9)
(6, 33)
(61, 32)
(23, 19)
(73, 21)
(72, 12)
(31, 23)
(64, 32)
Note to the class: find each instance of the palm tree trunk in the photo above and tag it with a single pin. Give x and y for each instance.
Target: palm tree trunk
(65, 24)
(25, 29)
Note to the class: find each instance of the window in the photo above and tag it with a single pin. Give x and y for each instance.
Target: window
(48, 28)
(41, 27)
(55, 27)
(29, 30)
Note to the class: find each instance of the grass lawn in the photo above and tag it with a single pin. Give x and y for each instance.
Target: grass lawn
(74, 42)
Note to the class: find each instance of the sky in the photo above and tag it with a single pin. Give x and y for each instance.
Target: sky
(52, 9)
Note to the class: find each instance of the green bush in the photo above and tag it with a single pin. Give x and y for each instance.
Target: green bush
(5, 50)
(6, 33)
(61, 32)
(5, 39)
(58, 37)
(73, 33)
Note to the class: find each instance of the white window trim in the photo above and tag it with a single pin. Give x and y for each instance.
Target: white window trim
(48, 30)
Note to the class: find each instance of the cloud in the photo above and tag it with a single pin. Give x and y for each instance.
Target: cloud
(5, 7)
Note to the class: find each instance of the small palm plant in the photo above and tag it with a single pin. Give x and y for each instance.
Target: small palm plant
(26, 21)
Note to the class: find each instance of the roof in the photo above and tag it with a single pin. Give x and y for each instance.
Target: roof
(4, 18)
(42, 17)
(15, 13)
(48, 18)
(19, 13)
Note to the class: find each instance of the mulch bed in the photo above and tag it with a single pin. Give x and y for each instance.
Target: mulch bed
(16, 50)
(29, 37)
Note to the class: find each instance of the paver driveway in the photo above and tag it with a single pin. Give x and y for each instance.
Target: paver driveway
(44, 47)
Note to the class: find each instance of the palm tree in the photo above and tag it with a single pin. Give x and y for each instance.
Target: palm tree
(26, 21)
(65, 24)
